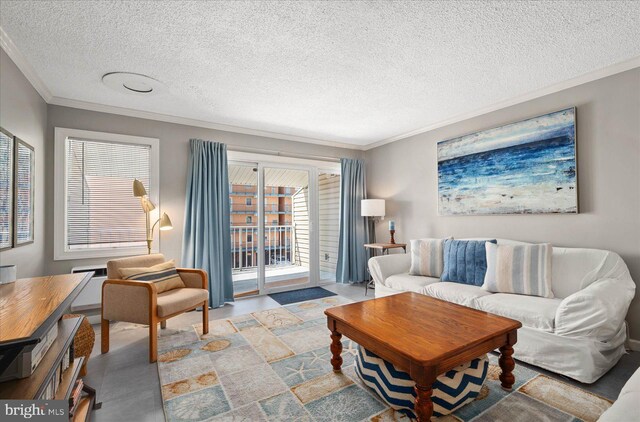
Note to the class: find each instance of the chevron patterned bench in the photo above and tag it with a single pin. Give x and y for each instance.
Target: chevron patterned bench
(451, 390)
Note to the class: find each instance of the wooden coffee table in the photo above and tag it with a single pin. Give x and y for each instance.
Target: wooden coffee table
(424, 337)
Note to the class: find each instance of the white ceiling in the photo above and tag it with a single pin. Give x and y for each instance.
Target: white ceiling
(349, 72)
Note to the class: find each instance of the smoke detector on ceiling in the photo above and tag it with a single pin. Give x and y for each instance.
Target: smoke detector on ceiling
(132, 83)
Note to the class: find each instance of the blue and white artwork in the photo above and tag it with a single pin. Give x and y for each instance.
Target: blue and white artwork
(528, 167)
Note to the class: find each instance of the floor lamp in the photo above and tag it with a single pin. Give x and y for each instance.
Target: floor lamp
(147, 206)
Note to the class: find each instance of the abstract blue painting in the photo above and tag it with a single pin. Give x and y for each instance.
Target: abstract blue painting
(528, 167)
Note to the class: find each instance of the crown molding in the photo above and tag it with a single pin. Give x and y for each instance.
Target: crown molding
(560, 86)
(123, 111)
(12, 51)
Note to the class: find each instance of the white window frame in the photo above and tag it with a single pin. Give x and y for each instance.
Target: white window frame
(60, 250)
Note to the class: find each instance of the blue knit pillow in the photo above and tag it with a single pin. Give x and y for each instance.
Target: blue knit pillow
(465, 261)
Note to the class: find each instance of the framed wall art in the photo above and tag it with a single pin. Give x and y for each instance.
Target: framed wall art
(527, 167)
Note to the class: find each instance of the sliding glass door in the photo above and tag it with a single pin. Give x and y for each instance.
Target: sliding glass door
(243, 198)
(284, 225)
(287, 229)
(328, 223)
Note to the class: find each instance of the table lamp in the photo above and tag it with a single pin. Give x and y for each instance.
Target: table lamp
(374, 209)
(147, 206)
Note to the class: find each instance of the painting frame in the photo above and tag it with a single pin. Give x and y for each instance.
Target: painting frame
(570, 195)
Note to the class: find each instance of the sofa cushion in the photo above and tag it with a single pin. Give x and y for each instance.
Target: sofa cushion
(519, 269)
(178, 300)
(462, 294)
(409, 283)
(531, 311)
(465, 261)
(427, 257)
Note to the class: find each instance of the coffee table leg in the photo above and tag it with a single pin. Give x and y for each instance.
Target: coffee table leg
(423, 405)
(506, 364)
(336, 351)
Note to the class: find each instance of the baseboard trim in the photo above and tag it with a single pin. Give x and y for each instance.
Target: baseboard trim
(634, 345)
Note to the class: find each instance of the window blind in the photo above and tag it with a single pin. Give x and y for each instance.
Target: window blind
(6, 190)
(24, 193)
(101, 209)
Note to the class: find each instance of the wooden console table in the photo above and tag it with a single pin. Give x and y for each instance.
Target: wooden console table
(384, 249)
(29, 308)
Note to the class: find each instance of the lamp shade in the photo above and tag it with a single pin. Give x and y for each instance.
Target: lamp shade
(138, 189)
(147, 205)
(165, 222)
(372, 208)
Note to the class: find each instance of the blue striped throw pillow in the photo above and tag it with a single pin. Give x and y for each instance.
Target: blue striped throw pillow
(519, 269)
(164, 276)
(427, 257)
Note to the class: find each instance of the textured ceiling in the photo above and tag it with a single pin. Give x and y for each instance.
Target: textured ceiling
(352, 72)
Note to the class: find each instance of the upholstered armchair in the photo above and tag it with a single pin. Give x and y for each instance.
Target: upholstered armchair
(139, 301)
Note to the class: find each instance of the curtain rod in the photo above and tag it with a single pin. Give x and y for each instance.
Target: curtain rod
(282, 154)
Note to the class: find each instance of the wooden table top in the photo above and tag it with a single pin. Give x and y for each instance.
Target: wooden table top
(28, 302)
(424, 329)
(384, 245)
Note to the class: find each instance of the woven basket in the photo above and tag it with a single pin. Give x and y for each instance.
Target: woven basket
(83, 341)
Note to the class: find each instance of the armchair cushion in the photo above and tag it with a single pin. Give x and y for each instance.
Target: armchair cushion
(179, 300)
(164, 276)
(114, 265)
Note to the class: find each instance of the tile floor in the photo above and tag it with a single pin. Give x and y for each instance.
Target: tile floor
(129, 387)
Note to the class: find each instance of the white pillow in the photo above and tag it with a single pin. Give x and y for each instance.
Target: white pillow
(519, 269)
(427, 257)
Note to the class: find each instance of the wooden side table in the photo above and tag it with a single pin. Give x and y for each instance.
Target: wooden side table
(384, 250)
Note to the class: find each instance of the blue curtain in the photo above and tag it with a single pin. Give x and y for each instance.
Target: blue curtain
(207, 232)
(354, 233)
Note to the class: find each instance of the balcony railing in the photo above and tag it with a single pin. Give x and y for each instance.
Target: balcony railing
(279, 243)
(253, 209)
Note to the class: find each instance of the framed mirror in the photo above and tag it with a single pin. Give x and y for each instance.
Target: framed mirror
(24, 166)
(6, 189)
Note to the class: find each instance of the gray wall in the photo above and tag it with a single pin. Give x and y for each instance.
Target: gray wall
(608, 139)
(174, 151)
(24, 113)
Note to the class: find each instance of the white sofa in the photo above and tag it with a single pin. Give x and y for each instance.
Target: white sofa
(626, 408)
(580, 333)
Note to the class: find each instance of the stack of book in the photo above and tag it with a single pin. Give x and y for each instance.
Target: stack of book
(51, 388)
(75, 396)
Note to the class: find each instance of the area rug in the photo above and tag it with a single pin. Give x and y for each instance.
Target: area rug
(301, 295)
(274, 365)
